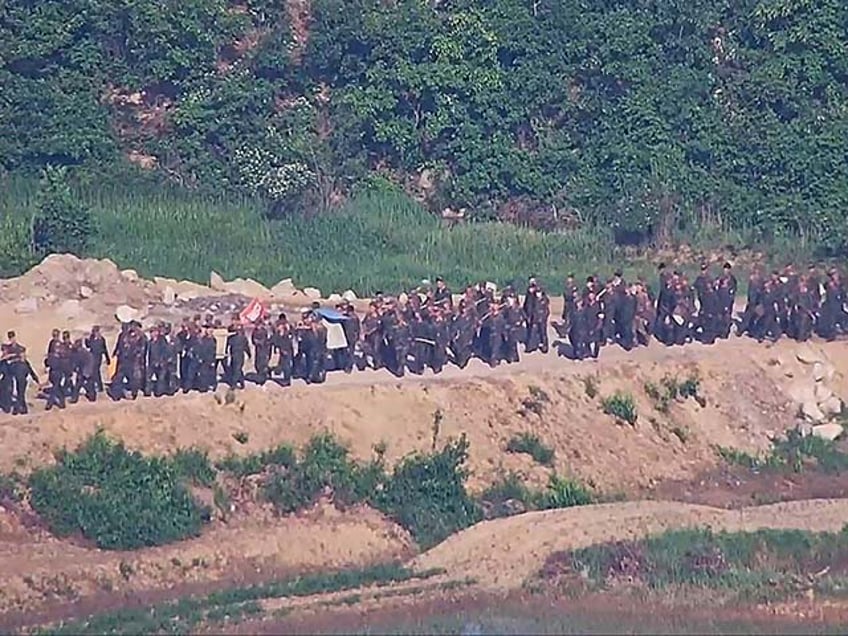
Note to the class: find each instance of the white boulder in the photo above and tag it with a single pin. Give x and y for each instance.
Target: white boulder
(130, 275)
(86, 292)
(349, 296)
(828, 431)
(246, 287)
(831, 406)
(312, 293)
(216, 281)
(812, 412)
(169, 295)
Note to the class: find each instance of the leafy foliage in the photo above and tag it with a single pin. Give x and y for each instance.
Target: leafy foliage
(649, 120)
(621, 406)
(530, 444)
(794, 452)
(116, 498)
(61, 224)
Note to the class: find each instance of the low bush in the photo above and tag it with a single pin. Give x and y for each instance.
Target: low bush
(426, 494)
(530, 444)
(509, 495)
(244, 465)
(621, 406)
(563, 492)
(116, 498)
(794, 452)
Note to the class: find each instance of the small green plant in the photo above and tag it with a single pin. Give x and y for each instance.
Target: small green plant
(681, 433)
(193, 465)
(241, 437)
(10, 487)
(118, 499)
(563, 493)
(621, 406)
(283, 456)
(535, 402)
(670, 389)
(506, 496)
(794, 452)
(530, 444)
(590, 386)
(61, 223)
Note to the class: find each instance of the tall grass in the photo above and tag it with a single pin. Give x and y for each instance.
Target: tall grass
(380, 240)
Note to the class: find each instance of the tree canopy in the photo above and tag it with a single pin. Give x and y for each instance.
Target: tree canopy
(638, 114)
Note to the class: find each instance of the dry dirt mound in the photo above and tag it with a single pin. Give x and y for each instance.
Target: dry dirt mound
(501, 554)
(37, 569)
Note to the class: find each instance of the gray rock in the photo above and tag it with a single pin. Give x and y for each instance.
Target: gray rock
(130, 275)
(831, 406)
(828, 431)
(822, 393)
(169, 295)
(86, 292)
(247, 287)
(812, 412)
(349, 296)
(807, 355)
(804, 428)
(334, 298)
(216, 281)
(313, 293)
(27, 306)
(818, 371)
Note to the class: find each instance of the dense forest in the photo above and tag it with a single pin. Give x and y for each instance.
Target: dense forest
(645, 116)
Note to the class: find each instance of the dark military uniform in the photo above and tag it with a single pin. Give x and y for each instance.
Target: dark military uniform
(283, 342)
(238, 349)
(262, 352)
(96, 344)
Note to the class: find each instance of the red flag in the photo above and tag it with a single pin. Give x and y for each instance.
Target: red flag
(254, 311)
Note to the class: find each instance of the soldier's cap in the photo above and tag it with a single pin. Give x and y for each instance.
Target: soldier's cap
(439, 279)
(571, 275)
(704, 266)
(10, 334)
(617, 273)
(727, 265)
(661, 266)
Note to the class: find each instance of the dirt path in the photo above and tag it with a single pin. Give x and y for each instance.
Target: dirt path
(501, 554)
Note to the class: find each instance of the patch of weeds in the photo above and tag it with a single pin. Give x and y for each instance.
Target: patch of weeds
(670, 389)
(590, 386)
(10, 487)
(232, 605)
(193, 465)
(426, 494)
(741, 562)
(530, 444)
(795, 452)
(536, 401)
(563, 492)
(221, 499)
(241, 437)
(241, 466)
(622, 407)
(117, 498)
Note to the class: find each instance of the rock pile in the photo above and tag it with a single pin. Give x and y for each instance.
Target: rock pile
(818, 404)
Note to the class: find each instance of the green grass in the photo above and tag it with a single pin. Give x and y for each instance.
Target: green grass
(621, 406)
(765, 562)
(379, 240)
(500, 497)
(530, 444)
(795, 453)
(233, 604)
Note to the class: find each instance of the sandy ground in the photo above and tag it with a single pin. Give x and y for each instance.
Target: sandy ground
(503, 553)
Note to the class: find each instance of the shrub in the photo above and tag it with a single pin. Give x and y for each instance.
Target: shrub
(61, 224)
(118, 499)
(426, 494)
(242, 466)
(506, 496)
(621, 406)
(193, 465)
(563, 493)
(531, 445)
(590, 386)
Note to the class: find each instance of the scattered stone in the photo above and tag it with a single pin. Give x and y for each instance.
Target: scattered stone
(130, 275)
(349, 296)
(807, 355)
(804, 428)
(27, 306)
(831, 406)
(812, 412)
(169, 295)
(822, 392)
(818, 371)
(284, 288)
(86, 292)
(125, 313)
(312, 293)
(334, 298)
(216, 281)
(246, 287)
(828, 431)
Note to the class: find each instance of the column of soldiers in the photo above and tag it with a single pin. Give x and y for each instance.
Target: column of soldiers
(427, 329)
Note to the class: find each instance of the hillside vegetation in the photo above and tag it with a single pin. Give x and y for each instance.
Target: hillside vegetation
(647, 119)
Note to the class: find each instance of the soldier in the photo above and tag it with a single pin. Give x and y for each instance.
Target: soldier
(463, 331)
(529, 308)
(372, 337)
(262, 352)
(156, 364)
(570, 292)
(55, 339)
(317, 356)
(594, 324)
(802, 313)
(185, 340)
(171, 359)
(351, 331)
(283, 343)
(441, 339)
(831, 308)
(626, 318)
(578, 330)
(82, 362)
(206, 357)
(96, 344)
(753, 306)
(59, 367)
(442, 296)
(645, 315)
(237, 348)
(420, 345)
(492, 333)
(19, 370)
(514, 326)
(541, 318)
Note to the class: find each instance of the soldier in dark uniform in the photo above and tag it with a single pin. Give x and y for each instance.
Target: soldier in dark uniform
(831, 308)
(82, 362)
(96, 344)
(421, 343)
(441, 339)
(237, 350)
(442, 295)
(169, 348)
(399, 340)
(59, 369)
(753, 306)
(703, 283)
(205, 352)
(372, 337)
(345, 358)
(494, 328)
(55, 339)
(514, 326)
(185, 341)
(155, 364)
(283, 343)
(570, 293)
(531, 341)
(19, 370)
(578, 330)
(262, 352)
(626, 318)
(803, 313)
(594, 324)
(317, 356)
(463, 330)
(542, 317)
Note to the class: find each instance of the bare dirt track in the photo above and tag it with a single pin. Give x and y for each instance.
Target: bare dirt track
(744, 385)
